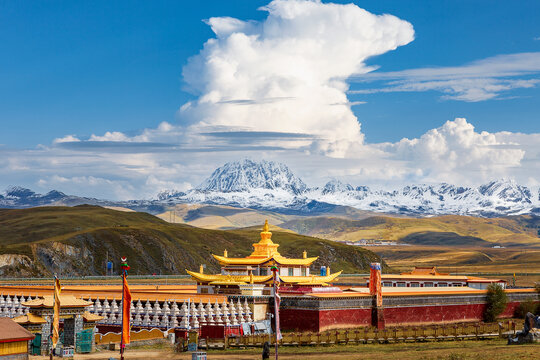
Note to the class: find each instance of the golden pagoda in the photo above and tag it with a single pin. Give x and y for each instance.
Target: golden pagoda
(255, 269)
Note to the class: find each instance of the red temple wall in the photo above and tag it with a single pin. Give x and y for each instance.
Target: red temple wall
(321, 320)
(410, 315)
(344, 318)
(299, 319)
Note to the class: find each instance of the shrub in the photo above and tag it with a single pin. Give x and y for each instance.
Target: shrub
(525, 307)
(496, 301)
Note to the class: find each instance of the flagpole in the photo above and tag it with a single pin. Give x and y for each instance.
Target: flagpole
(276, 309)
(122, 337)
(126, 308)
(52, 322)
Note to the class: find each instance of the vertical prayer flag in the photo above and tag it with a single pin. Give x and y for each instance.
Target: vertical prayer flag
(277, 300)
(375, 287)
(56, 313)
(126, 312)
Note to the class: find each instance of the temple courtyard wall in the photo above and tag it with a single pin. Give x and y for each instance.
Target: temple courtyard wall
(317, 314)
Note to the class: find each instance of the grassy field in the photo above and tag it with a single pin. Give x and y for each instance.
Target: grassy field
(451, 350)
(509, 230)
(222, 217)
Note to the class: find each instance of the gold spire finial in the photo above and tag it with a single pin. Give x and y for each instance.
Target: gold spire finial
(225, 253)
(201, 269)
(265, 228)
(304, 254)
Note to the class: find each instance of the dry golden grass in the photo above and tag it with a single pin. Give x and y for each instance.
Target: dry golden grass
(498, 230)
(220, 217)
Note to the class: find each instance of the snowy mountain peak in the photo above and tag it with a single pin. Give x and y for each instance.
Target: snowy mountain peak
(336, 186)
(507, 190)
(169, 194)
(18, 192)
(246, 175)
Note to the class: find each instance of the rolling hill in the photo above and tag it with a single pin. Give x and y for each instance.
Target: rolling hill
(78, 241)
(440, 230)
(225, 217)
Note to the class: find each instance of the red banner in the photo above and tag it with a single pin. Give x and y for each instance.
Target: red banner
(126, 312)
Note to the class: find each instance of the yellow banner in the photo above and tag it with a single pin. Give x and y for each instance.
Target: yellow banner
(56, 313)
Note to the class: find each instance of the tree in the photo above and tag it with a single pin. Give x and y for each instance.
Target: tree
(496, 301)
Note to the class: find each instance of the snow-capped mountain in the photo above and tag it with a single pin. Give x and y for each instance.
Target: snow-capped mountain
(270, 185)
(273, 186)
(17, 196)
(248, 175)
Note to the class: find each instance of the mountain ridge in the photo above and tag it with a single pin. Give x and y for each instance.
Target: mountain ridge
(268, 185)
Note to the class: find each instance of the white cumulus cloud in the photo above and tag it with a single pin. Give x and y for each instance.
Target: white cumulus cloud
(287, 73)
(456, 152)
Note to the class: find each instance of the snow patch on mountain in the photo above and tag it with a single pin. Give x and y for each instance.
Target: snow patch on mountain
(273, 186)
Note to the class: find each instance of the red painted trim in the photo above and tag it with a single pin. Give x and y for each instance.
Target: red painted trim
(16, 340)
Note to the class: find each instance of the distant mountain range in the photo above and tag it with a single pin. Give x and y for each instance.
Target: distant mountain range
(272, 186)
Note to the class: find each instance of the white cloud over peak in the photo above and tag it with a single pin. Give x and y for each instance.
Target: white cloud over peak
(477, 81)
(288, 72)
(456, 151)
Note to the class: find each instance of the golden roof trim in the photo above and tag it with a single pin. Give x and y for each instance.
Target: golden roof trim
(231, 278)
(89, 317)
(310, 279)
(240, 261)
(29, 319)
(65, 301)
(258, 261)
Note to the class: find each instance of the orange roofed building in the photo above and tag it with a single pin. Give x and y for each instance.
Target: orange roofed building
(254, 271)
(429, 276)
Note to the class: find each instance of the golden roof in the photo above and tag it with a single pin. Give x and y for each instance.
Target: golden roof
(89, 317)
(258, 261)
(208, 278)
(240, 261)
(286, 261)
(220, 279)
(65, 301)
(29, 319)
(311, 279)
(265, 250)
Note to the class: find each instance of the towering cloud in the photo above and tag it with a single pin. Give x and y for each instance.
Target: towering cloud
(287, 73)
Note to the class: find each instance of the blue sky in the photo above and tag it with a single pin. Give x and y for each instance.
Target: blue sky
(87, 68)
